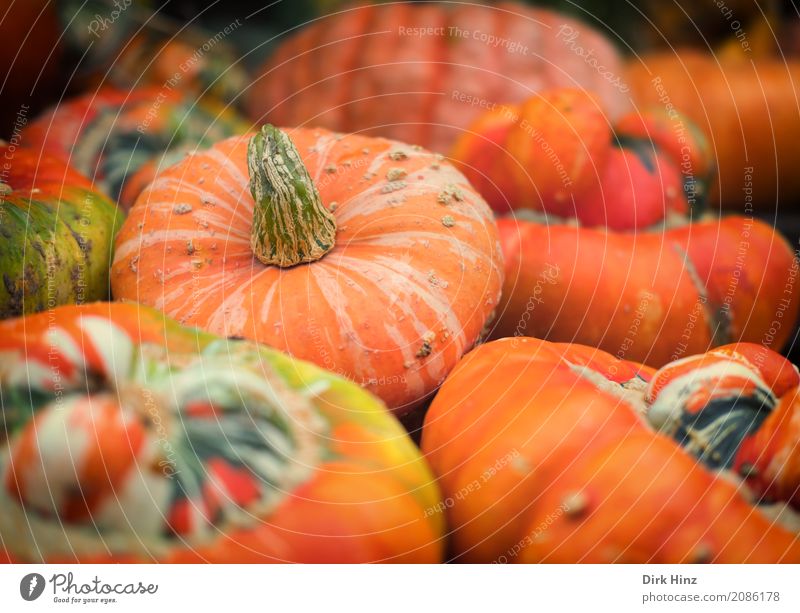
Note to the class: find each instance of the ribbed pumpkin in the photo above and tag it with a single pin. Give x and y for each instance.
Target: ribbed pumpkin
(369, 257)
(112, 134)
(749, 108)
(543, 456)
(421, 72)
(56, 234)
(127, 438)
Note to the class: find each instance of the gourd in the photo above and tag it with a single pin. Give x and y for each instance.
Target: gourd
(122, 139)
(183, 447)
(544, 454)
(56, 234)
(611, 243)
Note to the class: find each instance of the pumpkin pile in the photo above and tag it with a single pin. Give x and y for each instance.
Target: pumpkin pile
(458, 289)
(611, 245)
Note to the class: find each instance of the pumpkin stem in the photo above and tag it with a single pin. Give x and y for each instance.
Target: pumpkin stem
(5, 189)
(290, 224)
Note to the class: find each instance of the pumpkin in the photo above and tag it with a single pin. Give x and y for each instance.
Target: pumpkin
(556, 153)
(372, 258)
(749, 109)
(735, 408)
(543, 455)
(139, 46)
(112, 134)
(651, 297)
(610, 245)
(183, 447)
(422, 72)
(56, 234)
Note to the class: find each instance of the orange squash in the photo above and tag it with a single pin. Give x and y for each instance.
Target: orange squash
(544, 455)
(371, 258)
(748, 107)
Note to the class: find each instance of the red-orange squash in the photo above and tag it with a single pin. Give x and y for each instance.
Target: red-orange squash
(371, 258)
(422, 72)
(558, 153)
(543, 455)
(128, 438)
(651, 297)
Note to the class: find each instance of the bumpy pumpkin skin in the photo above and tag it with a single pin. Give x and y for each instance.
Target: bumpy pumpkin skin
(56, 235)
(121, 139)
(364, 70)
(412, 280)
(320, 471)
(543, 456)
(651, 297)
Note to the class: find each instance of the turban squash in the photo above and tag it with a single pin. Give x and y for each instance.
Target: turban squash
(371, 258)
(56, 234)
(543, 454)
(421, 72)
(183, 447)
(619, 254)
(122, 138)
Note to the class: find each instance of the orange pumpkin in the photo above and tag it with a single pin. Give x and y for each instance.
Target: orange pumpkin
(371, 258)
(652, 297)
(422, 72)
(543, 455)
(748, 107)
(556, 153)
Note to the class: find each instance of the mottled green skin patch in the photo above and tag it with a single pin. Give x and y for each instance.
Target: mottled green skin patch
(55, 251)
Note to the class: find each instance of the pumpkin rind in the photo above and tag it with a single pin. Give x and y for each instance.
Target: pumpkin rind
(189, 448)
(404, 293)
(747, 106)
(56, 235)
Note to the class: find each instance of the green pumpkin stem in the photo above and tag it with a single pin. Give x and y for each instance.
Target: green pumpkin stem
(290, 224)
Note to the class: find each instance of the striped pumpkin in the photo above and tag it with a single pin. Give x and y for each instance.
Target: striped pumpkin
(127, 438)
(421, 72)
(111, 135)
(542, 451)
(56, 234)
(369, 257)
